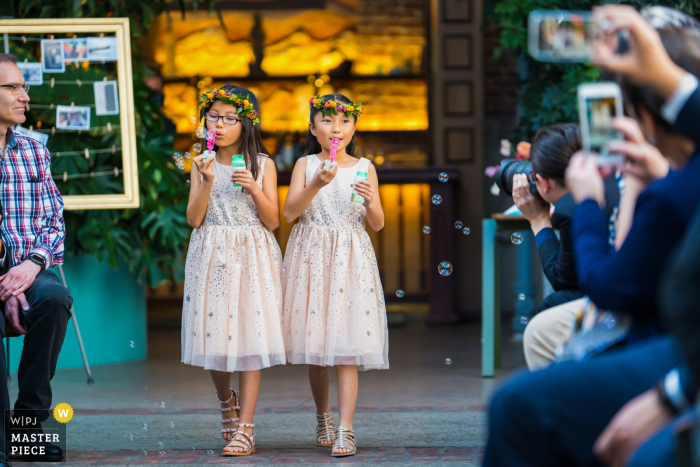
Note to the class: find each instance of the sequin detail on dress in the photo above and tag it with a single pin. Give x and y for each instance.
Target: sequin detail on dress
(334, 311)
(231, 317)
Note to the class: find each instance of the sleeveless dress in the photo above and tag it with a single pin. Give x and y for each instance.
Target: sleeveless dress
(232, 312)
(334, 311)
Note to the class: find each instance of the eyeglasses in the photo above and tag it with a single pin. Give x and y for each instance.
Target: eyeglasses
(228, 119)
(16, 88)
(531, 177)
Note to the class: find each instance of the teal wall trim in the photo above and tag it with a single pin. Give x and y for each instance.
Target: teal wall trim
(111, 310)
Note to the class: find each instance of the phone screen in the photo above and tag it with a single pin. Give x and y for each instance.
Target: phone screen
(565, 36)
(600, 113)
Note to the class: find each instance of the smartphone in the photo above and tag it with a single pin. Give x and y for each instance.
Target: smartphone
(567, 36)
(598, 105)
(560, 35)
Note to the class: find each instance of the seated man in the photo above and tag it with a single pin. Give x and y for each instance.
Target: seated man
(33, 231)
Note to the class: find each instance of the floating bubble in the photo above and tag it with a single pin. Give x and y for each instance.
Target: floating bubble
(521, 296)
(523, 320)
(466, 231)
(448, 361)
(131, 344)
(162, 405)
(187, 155)
(187, 181)
(210, 451)
(145, 427)
(443, 177)
(160, 443)
(172, 424)
(144, 452)
(399, 293)
(426, 229)
(437, 199)
(193, 120)
(516, 238)
(458, 225)
(162, 453)
(179, 162)
(197, 147)
(445, 268)
(131, 437)
(200, 132)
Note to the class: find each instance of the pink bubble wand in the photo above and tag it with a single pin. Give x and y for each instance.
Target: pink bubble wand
(334, 151)
(211, 136)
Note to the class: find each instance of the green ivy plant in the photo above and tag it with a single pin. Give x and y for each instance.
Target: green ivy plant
(547, 91)
(153, 239)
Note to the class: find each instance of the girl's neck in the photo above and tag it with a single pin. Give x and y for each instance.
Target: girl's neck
(225, 154)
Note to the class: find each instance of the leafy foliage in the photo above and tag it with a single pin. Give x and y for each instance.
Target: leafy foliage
(152, 240)
(547, 91)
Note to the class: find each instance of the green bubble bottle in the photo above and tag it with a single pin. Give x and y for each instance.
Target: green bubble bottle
(237, 162)
(356, 198)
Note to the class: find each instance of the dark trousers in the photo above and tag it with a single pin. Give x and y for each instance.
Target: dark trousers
(45, 323)
(552, 417)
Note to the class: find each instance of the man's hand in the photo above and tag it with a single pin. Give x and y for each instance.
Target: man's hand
(18, 279)
(636, 422)
(532, 207)
(584, 180)
(12, 311)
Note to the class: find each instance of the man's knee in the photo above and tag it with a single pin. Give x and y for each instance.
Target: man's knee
(513, 404)
(55, 301)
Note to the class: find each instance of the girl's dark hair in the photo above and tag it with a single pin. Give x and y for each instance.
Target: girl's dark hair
(681, 39)
(551, 149)
(314, 146)
(251, 140)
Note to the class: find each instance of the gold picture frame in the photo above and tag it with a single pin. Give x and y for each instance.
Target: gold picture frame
(120, 28)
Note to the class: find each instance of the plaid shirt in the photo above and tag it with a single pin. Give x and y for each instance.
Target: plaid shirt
(32, 207)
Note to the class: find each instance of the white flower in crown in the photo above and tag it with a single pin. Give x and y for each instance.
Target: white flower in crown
(495, 190)
(505, 148)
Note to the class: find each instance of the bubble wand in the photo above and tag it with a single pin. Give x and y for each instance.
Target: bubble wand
(211, 135)
(334, 151)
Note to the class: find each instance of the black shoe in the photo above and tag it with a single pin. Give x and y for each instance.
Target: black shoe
(51, 452)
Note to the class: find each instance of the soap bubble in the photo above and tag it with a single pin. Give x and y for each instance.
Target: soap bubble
(426, 229)
(145, 427)
(160, 443)
(466, 231)
(131, 344)
(445, 268)
(443, 177)
(210, 451)
(458, 225)
(172, 424)
(144, 452)
(200, 132)
(197, 147)
(131, 437)
(187, 155)
(516, 238)
(179, 161)
(448, 361)
(521, 296)
(523, 320)
(162, 405)
(399, 293)
(162, 453)
(193, 120)
(437, 199)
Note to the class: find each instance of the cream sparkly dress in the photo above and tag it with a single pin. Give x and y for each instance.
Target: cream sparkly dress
(334, 311)
(232, 313)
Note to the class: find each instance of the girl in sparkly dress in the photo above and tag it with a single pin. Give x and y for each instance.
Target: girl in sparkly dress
(334, 314)
(231, 319)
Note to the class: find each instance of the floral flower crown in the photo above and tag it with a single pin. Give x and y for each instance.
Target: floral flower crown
(332, 107)
(242, 105)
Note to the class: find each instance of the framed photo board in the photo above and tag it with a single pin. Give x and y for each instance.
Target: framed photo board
(82, 105)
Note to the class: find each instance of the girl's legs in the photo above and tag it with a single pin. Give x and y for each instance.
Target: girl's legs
(347, 397)
(222, 383)
(319, 378)
(249, 386)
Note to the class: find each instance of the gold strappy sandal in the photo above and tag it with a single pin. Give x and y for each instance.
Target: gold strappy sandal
(236, 407)
(325, 431)
(246, 442)
(344, 439)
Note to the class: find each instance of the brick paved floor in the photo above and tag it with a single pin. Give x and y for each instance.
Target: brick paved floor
(419, 412)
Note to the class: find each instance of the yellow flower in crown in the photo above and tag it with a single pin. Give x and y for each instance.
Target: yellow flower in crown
(315, 102)
(332, 104)
(350, 108)
(245, 102)
(222, 93)
(210, 95)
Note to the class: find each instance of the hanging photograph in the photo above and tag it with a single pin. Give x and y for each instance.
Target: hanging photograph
(52, 56)
(43, 138)
(106, 98)
(32, 73)
(72, 118)
(102, 49)
(74, 50)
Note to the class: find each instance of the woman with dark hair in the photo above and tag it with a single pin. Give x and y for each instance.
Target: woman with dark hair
(231, 318)
(552, 147)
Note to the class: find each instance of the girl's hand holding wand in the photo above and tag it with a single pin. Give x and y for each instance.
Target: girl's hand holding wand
(244, 178)
(205, 167)
(365, 190)
(324, 176)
